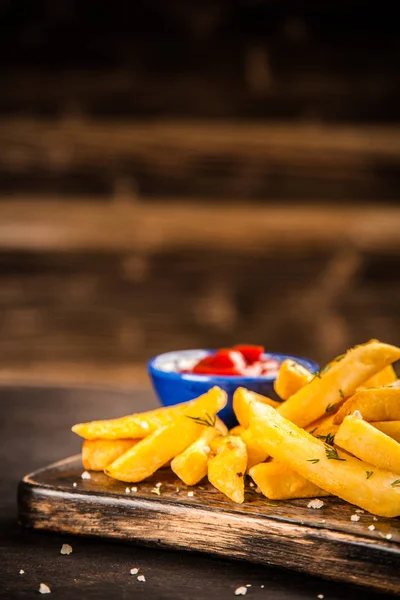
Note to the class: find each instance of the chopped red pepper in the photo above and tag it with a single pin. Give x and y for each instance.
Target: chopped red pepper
(240, 360)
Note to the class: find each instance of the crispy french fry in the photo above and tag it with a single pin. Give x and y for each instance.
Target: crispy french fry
(279, 482)
(368, 443)
(226, 470)
(165, 443)
(391, 428)
(374, 404)
(98, 454)
(291, 378)
(384, 377)
(241, 402)
(323, 465)
(191, 465)
(339, 381)
(138, 425)
(238, 430)
(255, 453)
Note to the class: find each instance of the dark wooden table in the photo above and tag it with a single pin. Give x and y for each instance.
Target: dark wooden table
(34, 431)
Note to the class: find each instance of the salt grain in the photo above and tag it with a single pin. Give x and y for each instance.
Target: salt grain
(21, 572)
(320, 596)
(371, 527)
(251, 484)
(248, 584)
(357, 414)
(127, 490)
(158, 485)
(389, 536)
(323, 521)
(262, 586)
(374, 518)
(316, 503)
(66, 549)
(144, 425)
(190, 494)
(134, 489)
(141, 578)
(134, 571)
(360, 511)
(44, 589)
(74, 484)
(355, 518)
(241, 591)
(85, 475)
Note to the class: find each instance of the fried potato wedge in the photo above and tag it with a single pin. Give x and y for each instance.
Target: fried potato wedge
(255, 453)
(323, 465)
(374, 404)
(98, 454)
(191, 465)
(339, 381)
(165, 443)
(241, 402)
(391, 428)
(277, 481)
(369, 444)
(226, 470)
(291, 378)
(384, 377)
(141, 424)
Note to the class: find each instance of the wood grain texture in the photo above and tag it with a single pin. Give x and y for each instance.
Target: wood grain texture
(288, 534)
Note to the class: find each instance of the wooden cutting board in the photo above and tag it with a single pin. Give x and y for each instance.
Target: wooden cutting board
(323, 542)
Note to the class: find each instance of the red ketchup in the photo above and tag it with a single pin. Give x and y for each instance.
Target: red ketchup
(241, 360)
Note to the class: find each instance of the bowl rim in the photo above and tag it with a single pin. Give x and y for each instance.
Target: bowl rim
(174, 375)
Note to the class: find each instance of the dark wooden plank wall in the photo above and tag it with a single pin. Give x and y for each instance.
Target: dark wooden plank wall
(157, 165)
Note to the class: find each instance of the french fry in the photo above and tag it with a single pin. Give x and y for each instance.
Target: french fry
(291, 378)
(226, 470)
(165, 443)
(374, 404)
(368, 443)
(241, 402)
(391, 428)
(191, 465)
(323, 465)
(328, 390)
(98, 454)
(384, 377)
(221, 427)
(323, 427)
(279, 482)
(138, 425)
(255, 453)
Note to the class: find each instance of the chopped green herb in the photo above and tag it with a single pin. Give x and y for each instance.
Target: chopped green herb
(207, 420)
(313, 460)
(338, 358)
(395, 483)
(317, 374)
(328, 438)
(330, 407)
(341, 394)
(369, 474)
(312, 431)
(332, 454)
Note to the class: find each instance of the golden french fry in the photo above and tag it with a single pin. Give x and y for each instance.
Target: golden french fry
(191, 465)
(374, 404)
(391, 428)
(220, 425)
(226, 470)
(255, 453)
(241, 402)
(238, 430)
(323, 465)
(98, 454)
(368, 443)
(291, 378)
(165, 443)
(279, 482)
(138, 425)
(384, 377)
(323, 427)
(328, 390)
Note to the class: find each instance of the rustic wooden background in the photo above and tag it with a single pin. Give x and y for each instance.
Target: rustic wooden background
(179, 174)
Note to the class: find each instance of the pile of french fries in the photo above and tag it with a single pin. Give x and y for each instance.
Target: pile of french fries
(336, 432)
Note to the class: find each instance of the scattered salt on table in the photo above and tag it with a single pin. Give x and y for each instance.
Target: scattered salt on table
(44, 589)
(355, 518)
(316, 503)
(141, 578)
(66, 549)
(134, 571)
(85, 475)
(241, 591)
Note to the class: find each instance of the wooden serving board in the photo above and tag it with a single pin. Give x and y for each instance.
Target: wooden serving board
(323, 542)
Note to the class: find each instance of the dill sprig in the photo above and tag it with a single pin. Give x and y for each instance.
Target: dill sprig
(328, 438)
(332, 454)
(330, 407)
(313, 460)
(341, 394)
(369, 474)
(395, 483)
(207, 420)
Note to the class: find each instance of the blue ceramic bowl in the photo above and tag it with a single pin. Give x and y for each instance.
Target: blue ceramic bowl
(173, 387)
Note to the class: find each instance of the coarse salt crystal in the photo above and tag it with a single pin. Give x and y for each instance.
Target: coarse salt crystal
(133, 489)
(360, 511)
(158, 485)
(85, 475)
(190, 494)
(21, 572)
(241, 591)
(389, 536)
(316, 503)
(262, 586)
(320, 596)
(66, 549)
(134, 571)
(44, 589)
(127, 490)
(357, 414)
(74, 484)
(323, 521)
(144, 425)
(355, 518)
(248, 584)
(251, 484)
(141, 578)
(374, 518)
(371, 527)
